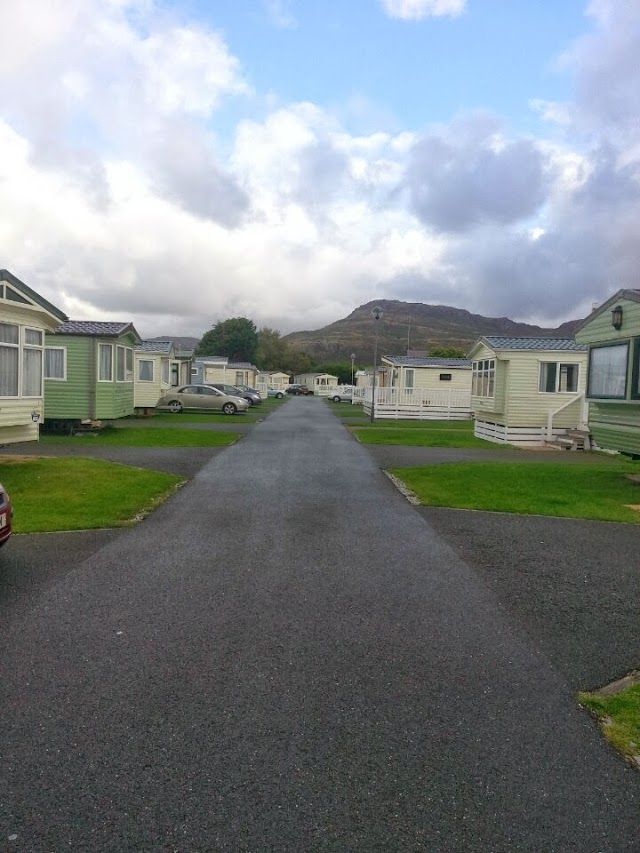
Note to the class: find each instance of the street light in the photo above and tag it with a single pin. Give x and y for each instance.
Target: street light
(376, 313)
(353, 358)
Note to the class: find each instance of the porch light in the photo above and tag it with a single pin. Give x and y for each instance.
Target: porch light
(35, 416)
(616, 317)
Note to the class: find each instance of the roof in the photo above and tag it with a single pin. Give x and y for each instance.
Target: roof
(215, 359)
(96, 328)
(633, 295)
(242, 365)
(23, 288)
(414, 361)
(155, 346)
(522, 344)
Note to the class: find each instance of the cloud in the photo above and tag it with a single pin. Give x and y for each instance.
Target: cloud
(417, 10)
(280, 14)
(126, 202)
(469, 174)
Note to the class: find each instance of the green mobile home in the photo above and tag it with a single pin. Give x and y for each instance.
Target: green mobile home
(612, 334)
(527, 390)
(88, 370)
(25, 317)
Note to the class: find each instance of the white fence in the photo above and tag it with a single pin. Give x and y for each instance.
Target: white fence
(419, 403)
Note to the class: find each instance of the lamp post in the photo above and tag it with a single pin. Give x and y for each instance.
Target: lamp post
(353, 358)
(376, 313)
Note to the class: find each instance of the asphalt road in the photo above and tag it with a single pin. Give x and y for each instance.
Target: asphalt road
(286, 656)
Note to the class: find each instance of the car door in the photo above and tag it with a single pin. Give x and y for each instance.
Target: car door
(210, 398)
(189, 397)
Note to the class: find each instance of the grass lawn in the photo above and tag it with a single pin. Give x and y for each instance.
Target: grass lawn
(412, 436)
(619, 718)
(595, 490)
(77, 494)
(151, 437)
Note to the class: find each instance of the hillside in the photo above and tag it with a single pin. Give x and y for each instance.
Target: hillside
(430, 325)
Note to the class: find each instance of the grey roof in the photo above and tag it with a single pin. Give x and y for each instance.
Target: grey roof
(23, 288)
(155, 346)
(242, 365)
(96, 328)
(415, 361)
(201, 359)
(497, 342)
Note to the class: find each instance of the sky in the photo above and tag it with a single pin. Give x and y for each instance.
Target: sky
(177, 163)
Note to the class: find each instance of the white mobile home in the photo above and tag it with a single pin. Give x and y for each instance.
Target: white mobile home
(319, 383)
(152, 373)
(527, 390)
(25, 316)
(218, 368)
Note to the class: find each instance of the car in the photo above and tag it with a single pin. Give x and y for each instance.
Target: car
(343, 394)
(6, 515)
(201, 398)
(299, 390)
(278, 393)
(249, 394)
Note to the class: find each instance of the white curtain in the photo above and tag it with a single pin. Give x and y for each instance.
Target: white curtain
(9, 333)
(32, 373)
(165, 371)
(145, 371)
(608, 371)
(54, 364)
(105, 362)
(8, 371)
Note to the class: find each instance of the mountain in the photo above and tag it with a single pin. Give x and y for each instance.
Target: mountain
(426, 326)
(178, 343)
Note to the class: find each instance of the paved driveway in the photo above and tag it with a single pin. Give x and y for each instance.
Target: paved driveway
(287, 656)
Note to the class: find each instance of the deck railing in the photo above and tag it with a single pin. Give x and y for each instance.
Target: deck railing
(419, 403)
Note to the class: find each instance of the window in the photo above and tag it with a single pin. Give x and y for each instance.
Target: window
(33, 337)
(483, 377)
(556, 377)
(128, 373)
(9, 358)
(120, 364)
(445, 377)
(165, 371)
(145, 370)
(105, 363)
(32, 363)
(608, 371)
(239, 377)
(55, 363)
(408, 378)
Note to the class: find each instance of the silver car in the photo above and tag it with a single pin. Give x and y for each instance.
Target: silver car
(200, 398)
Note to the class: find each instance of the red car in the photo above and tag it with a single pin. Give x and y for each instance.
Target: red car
(6, 513)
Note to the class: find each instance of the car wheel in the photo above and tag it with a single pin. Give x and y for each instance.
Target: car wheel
(279, 396)
(175, 406)
(229, 408)
(336, 398)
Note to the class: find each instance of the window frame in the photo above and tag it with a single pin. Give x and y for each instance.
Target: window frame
(559, 365)
(142, 361)
(625, 396)
(478, 375)
(111, 347)
(25, 347)
(446, 377)
(62, 378)
(17, 347)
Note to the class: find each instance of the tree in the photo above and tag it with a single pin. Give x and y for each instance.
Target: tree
(272, 352)
(298, 361)
(447, 352)
(235, 338)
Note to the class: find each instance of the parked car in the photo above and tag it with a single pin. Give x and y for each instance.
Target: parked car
(341, 394)
(299, 390)
(249, 394)
(6, 514)
(200, 398)
(278, 393)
